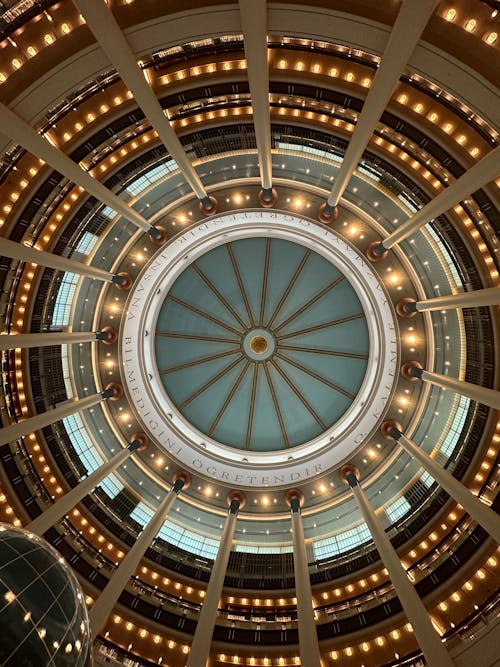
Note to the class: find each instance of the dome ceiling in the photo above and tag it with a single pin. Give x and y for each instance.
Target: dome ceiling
(258, 348)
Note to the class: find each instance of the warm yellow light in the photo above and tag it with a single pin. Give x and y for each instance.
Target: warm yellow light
(492, 38)
(471, 24)
(451, 15)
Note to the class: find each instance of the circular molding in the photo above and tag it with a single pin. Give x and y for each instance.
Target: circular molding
(406, 369)
(205, 456)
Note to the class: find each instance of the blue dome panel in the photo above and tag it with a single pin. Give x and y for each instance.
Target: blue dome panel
(262, 344)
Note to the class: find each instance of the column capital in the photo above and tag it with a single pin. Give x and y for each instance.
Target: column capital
(391, 429)
(236, 497)
(122, 280)
(208, 205)
(113, 391)
(108, 335)
(376, 252)
(350, 474)
(139, 442)
(327, 213)
(268, 197)
(157, 234)
(406, 307)
(412, 370)
(184, 477)
(294, 495)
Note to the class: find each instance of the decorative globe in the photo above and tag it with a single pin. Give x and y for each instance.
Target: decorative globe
(43, 617)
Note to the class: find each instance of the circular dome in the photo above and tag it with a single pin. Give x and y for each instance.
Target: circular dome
(262, 344)
(42, 608)
(294, 118)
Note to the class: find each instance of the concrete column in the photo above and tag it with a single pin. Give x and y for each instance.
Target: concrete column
(106, 601)
(19, 131)
(474, 178)
(25, 253)
(202, 640)
(18, 341)
(408, 27)
(22, 428)
(254, 25)
(61, 507)
(481, 513)
(490, 296)
(308, 637)
(112, 41)
(428, 639)
(412, 370)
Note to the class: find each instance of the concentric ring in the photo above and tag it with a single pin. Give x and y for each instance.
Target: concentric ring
(187, 443)
(262, 344)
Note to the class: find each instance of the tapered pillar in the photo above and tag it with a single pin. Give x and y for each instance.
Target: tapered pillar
(22, 428)
(308, 636)
(18, 341)
(408, 27)
(18, 130)
(474, 178)
(25, 253)
(202, 640)
(112, 41)
(413, 371)
(254, 25)
(481, 513)
(106, 601)
(55, 512)
(489, 296)
(427, 637)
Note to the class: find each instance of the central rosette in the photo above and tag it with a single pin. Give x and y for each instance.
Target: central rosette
(259, 344)
(262, 344)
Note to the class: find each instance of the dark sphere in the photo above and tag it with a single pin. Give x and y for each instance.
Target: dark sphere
(43, 617)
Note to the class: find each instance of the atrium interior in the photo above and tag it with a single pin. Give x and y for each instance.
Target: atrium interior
(249, 269)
